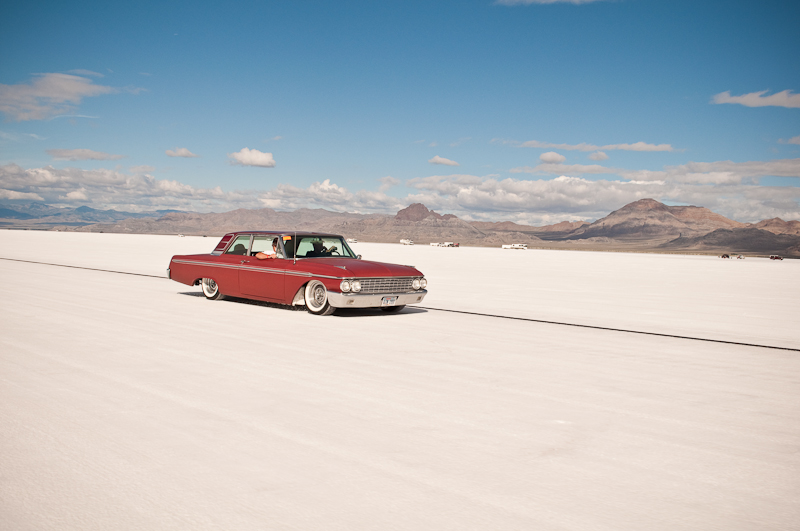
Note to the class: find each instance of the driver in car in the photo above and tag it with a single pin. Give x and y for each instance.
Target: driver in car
(274, 254)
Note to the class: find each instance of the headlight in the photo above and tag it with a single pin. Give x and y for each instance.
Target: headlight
(415, 283)
(423, 283)
(355, 286)
(345, 286)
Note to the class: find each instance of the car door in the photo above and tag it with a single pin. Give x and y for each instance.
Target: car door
(262, 278)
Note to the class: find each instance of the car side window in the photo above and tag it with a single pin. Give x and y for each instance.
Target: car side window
(239, 245)
(262, 244)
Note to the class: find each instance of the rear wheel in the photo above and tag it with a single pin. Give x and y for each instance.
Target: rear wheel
(211, 289)
(393, 309)
(316, 297)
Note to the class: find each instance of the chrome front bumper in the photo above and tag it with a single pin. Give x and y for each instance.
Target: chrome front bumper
(357, 300)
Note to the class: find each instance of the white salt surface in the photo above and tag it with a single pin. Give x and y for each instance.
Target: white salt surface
(130, 402)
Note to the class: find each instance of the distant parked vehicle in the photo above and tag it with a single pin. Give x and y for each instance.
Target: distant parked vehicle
(443, 244)
(740, 257)
(522, 246)
(180, 235)
(352, 240)
(726, 255)
(405, 241)
(775, 257)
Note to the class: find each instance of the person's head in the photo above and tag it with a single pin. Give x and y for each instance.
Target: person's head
(317, 245)
(274, 244)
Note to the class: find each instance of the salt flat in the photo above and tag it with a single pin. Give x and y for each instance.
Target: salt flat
(131, 402)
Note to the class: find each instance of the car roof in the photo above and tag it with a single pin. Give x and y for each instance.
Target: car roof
(282, 232)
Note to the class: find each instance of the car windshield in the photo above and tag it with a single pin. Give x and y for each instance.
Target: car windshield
(319, 247)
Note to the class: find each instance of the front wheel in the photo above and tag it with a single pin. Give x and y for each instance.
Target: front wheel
(316, 297)
(393, 309)
(211, 289)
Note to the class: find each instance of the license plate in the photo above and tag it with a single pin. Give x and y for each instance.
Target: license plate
(388, 301)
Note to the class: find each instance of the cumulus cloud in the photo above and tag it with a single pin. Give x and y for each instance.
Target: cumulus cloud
(81, 154)
(48, 95)
(598, 155)
(757, 99)
(388, 182)
(720, 172)
(115, 189)
(252, 157)
(24, 196)
(793, 140)
(441, 160)
(551, 157)
(329, 195)
(180, 152)
(564, 198)
(636, 146)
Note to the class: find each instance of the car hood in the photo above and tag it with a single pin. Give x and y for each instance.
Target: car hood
(350, 267)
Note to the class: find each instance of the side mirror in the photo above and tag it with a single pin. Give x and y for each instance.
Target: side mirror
(358, 257)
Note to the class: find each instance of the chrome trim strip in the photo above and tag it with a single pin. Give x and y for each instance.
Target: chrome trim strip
(254, 269)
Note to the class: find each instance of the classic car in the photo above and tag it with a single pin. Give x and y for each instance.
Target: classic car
(319, 271)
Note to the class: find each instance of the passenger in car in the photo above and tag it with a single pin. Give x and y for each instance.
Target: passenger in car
(274, 254)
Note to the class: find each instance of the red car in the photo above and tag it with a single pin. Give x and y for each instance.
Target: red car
(317, 270)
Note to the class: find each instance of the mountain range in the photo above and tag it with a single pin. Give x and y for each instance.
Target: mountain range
(644, 225)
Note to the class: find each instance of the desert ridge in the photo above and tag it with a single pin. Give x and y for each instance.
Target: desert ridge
(644, 225)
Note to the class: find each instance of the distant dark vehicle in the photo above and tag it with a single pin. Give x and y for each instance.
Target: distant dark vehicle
(725, 256)
(775, 257)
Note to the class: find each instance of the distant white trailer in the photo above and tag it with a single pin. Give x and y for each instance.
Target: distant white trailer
(436, 244)
(407, 242)
(522, 246)
(352, 240)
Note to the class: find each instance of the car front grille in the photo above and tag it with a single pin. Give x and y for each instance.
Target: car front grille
(386, 285)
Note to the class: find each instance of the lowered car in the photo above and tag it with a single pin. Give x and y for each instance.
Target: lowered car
(319, 271)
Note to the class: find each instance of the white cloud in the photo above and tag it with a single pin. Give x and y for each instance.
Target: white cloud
(180, 152)
(388, 182)
(47, 95)
(598, 155)
(565, 198)
(81, 72)
(441, 160)
(25, 196)
(793, 140)
(720, 172)
(551, 157)
(330, 196)
(757, 99)
(81, 154)
(252, 157)
(486, 197)
(636, 146)
(77, 195)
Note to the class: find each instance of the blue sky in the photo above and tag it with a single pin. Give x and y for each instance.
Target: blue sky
(529, 111)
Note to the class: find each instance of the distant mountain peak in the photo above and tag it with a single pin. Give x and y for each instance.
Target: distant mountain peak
(418, 212)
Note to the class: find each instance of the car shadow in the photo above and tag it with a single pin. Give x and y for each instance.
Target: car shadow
(341, 312)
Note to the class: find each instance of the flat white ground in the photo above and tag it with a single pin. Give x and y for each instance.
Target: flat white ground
(131, 402)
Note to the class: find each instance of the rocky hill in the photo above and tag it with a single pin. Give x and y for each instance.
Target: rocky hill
(421, 225)
(739, 240)
(778, 226)
(647, 219)
(642, 225)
